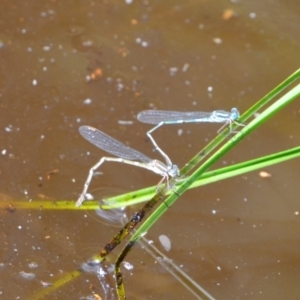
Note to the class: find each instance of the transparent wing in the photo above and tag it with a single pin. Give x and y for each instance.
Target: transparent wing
(111, 145)
(157, 116)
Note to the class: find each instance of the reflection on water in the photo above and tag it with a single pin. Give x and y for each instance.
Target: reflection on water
(104, 274)
(113, 217)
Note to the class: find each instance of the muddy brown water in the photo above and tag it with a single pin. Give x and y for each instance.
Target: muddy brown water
(71, 63)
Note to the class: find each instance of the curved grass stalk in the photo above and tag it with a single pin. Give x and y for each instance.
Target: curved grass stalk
(209, 177)
(283, 101)
(144, 195)
(250, 112)
(188, 182)
(151, 220)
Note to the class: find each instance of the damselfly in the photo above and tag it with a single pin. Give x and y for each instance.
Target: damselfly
(124, 155)
(161, 117)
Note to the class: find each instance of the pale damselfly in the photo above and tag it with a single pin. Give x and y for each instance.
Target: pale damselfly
(124, 155)
(161, 117)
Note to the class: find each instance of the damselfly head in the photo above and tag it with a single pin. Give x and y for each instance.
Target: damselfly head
(235, 114)
(174, 171)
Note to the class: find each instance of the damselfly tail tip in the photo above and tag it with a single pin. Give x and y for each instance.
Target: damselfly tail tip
(79, 201)
(139, 116)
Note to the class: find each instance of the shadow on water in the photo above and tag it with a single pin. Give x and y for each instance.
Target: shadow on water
(69, 64)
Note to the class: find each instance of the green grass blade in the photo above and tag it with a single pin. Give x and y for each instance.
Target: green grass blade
(190, 181)
(212, 176)
(265, 115)
(250, 112)
(146, 194)
(58, 283)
